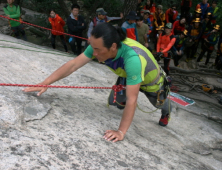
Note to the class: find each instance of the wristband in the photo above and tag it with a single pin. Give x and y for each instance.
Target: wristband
(120, 132)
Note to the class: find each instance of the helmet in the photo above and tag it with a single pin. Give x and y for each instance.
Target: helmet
(206, 88)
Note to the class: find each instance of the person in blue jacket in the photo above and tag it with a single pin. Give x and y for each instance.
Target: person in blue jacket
(218, 60)
(178, 48)
(209, 42)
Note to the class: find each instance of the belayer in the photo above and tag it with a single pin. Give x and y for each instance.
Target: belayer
(135, 66)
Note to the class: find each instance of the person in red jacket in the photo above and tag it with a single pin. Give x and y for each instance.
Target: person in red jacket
(171, 14)
(179, 26)
(151, 7)
(164, 44)
(57, 24)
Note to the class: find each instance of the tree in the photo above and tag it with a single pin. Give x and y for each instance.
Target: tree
(74, 1)
(129, 5)
(64, 7)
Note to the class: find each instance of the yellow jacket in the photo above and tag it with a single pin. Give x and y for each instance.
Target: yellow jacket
(159, 19)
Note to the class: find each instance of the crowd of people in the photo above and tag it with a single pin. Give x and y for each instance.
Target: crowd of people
(126, 51)
(173, 35)
(177, 35)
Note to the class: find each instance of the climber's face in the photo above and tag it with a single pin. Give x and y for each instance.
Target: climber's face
(10, 2)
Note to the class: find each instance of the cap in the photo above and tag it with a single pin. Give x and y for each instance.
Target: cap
(142, 10)
(160, 6)
(208, 14)
(169, 25)
(196, 20)
(199, 11)
(146, 11)
(132, 16)
(101, 11)
(217, 27)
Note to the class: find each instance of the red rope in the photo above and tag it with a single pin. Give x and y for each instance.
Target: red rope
(42, 27)
(174, 89)
(116, 88)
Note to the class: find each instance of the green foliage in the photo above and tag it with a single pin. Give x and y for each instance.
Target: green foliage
(43, 6)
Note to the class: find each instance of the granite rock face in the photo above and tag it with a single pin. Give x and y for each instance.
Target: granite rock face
(63, 128)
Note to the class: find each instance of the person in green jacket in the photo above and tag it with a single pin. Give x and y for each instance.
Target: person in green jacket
(214, 10)
(13, 11)
(133, 63)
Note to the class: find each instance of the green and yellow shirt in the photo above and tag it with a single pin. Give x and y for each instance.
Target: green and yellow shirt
(134, 62)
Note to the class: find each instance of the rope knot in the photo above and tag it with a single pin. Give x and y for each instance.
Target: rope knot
(117, 88)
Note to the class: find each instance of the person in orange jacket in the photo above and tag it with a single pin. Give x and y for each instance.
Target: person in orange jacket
(165, 43)
(171, 14)
(57, 24)
(151, 7)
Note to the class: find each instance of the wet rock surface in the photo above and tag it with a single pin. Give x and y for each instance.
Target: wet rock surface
(63, 128)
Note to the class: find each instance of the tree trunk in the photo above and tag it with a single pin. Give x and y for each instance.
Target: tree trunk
(64, 8)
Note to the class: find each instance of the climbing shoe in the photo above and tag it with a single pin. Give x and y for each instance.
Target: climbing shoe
(164, 120)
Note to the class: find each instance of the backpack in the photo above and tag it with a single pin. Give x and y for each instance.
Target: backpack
(95, 21)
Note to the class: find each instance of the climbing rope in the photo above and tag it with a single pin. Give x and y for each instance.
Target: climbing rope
(22, 22)
(115, 88)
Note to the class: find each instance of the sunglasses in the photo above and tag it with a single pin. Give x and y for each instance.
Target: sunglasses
(173, 8)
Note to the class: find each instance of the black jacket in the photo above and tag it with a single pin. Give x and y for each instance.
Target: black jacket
(75, 26)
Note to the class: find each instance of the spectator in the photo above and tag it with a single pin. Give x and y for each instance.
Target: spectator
(147, 21)
(185, 8)
(142, 30)
(179, 26)
(141, 12)
(13, 11)
(197, 14)
(76, 25)
(151, 7)
(178, 48)
(214, 10)
(204, 7)
(159, 31)
(206, 25)
(101, 16)
(194, 34)
(139, 7)
(171, 14)
(57, 24)
(165, 43)
(209, 42)
(218, 60)
(159, 17)
(129, 26)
